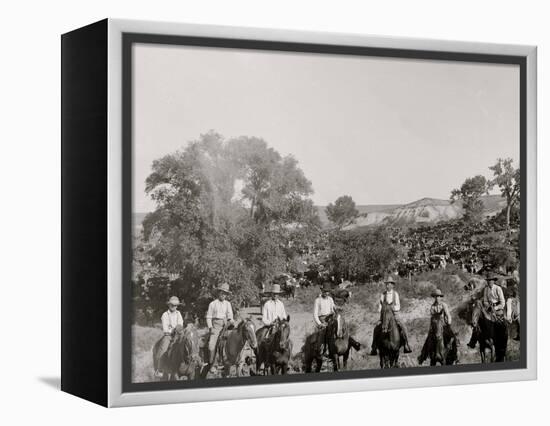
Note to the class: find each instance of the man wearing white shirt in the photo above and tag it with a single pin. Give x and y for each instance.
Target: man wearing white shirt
(170, 320)
(494, 302)
(273, 310)
(391, 297)
(219, 314)
(322, 308)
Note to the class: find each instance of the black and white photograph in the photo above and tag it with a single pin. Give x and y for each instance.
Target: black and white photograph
(311, 215)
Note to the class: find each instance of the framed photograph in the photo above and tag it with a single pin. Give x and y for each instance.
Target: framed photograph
(250, 213)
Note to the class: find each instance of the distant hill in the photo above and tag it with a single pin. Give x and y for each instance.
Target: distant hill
(425, 210)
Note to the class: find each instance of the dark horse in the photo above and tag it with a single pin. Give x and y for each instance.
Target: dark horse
(389, 338)
(289, 290)
(443, 345)
(339, 344)
(339, 341)
(182, 359)
(492, 333)
(230, 345)
(275, 351)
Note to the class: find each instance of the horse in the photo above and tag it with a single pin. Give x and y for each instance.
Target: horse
(443, 343)
(339, 341)
(313, 351)
(230, 345)
(275, 351)
(513, 316)
(389, 338)
(492, 333)
(182, 358)
(339, 344)
(289, 290)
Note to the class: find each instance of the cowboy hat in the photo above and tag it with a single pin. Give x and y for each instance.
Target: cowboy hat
(223, 287)
(437, 292)
(279, 279)
(275, 289)
(173, 301)
(389, 280)
(326, 286)
(492, 277)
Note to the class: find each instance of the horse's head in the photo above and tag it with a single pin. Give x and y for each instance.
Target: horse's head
(191, 340)
(387, 317)
(283, 331)
(437, 323)
(476, 310)
(341, 327)
(248, 331)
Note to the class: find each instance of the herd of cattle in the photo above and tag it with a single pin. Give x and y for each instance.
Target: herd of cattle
(436, 246)
(425, 248)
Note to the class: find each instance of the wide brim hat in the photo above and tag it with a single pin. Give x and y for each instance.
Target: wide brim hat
(223, 287)
(492, 277)
(389, 279)
(326, 286)
(437, 292)
(275, 289)
(173, 301)
(279, 279)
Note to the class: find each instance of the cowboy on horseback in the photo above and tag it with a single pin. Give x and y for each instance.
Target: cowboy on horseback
(322, 308)
(494, 302)
(170, 319)
(391, 297)
(438, 308)
(218, 317)
(273, 310)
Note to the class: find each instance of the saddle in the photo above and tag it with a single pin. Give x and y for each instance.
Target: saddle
(222, 339)
(492, 315)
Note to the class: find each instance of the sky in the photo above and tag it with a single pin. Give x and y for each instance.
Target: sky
(385, 131)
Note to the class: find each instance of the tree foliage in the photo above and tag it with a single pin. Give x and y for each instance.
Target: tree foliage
(470, 194)
(226, 210)
(342, 211)
(359, 254)
(507, 178)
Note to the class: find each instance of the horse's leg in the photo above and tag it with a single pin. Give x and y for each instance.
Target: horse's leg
(226, 370)
(318, 364)
(395, 360)
(307, 365)
(345, 359)
(334, 360)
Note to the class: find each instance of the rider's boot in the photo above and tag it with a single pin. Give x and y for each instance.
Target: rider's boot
(406, 348)
(373, 350)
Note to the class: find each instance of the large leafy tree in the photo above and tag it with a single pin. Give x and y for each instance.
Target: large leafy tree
(225, 211)
(470, 194)
(342, 211)
(274, 187)
(507, 178)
